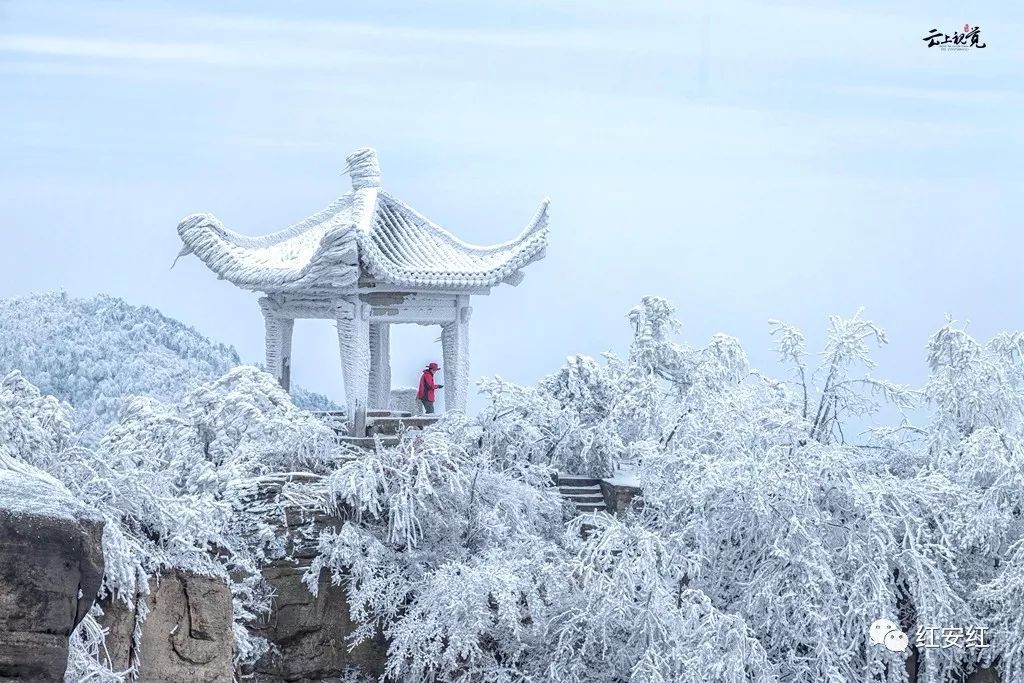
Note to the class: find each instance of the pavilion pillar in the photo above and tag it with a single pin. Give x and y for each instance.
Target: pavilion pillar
(380, 366)
(279, 343)
(353, 319)
(455, 349)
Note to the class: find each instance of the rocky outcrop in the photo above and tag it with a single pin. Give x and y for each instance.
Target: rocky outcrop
(187, 635)
(309, 634)
(51, 566)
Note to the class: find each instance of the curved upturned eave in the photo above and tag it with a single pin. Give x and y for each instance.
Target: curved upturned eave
(231, 257)
(330, 212)
(530, 246)
(537, 224)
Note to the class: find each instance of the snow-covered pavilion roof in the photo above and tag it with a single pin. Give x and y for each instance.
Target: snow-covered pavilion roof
(366, 227)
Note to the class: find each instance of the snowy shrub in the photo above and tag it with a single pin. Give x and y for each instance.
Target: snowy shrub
(86, 656)
(445, 552)
(32, 426)
(581, 420)
(588, 417)
(247, 421)
(631, 617)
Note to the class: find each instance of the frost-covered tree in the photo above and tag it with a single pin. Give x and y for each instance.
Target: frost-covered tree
(976, 438)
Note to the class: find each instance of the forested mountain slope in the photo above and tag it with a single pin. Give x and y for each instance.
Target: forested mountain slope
(94, 352)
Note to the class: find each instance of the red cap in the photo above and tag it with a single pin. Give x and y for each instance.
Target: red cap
(433, 366)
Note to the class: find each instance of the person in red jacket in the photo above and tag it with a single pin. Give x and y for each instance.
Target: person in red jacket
(425, 393)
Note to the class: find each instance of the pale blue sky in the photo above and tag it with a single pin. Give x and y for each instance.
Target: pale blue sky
(746, 160)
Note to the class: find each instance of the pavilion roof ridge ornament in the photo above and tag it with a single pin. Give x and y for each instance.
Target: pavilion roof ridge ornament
(364, 169)
(366, 233)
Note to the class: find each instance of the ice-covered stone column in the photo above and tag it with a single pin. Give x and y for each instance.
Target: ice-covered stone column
(279, 343)
(455, 349)
(353, 318)
(380, 365)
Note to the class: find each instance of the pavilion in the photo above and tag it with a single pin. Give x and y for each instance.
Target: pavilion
(367, 261)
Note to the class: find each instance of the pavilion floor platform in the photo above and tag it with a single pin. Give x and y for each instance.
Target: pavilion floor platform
(393, 424)
(382, 426)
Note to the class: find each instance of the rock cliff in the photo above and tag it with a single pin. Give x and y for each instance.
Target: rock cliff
(51, 566)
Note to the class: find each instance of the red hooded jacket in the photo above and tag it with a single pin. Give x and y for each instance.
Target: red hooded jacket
(427, 386)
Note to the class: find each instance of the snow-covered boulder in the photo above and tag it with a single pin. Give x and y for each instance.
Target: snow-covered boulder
(51, 565)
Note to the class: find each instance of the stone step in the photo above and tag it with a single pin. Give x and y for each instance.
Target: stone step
(583, 492)
(369, 442)
(577, 480)
(387, 413)
(580, 489)
(590, 507)
(586, 499)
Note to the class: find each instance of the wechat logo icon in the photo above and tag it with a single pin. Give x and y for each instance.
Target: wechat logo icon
(887, 633)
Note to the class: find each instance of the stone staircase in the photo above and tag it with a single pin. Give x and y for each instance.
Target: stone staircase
(584, 492)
